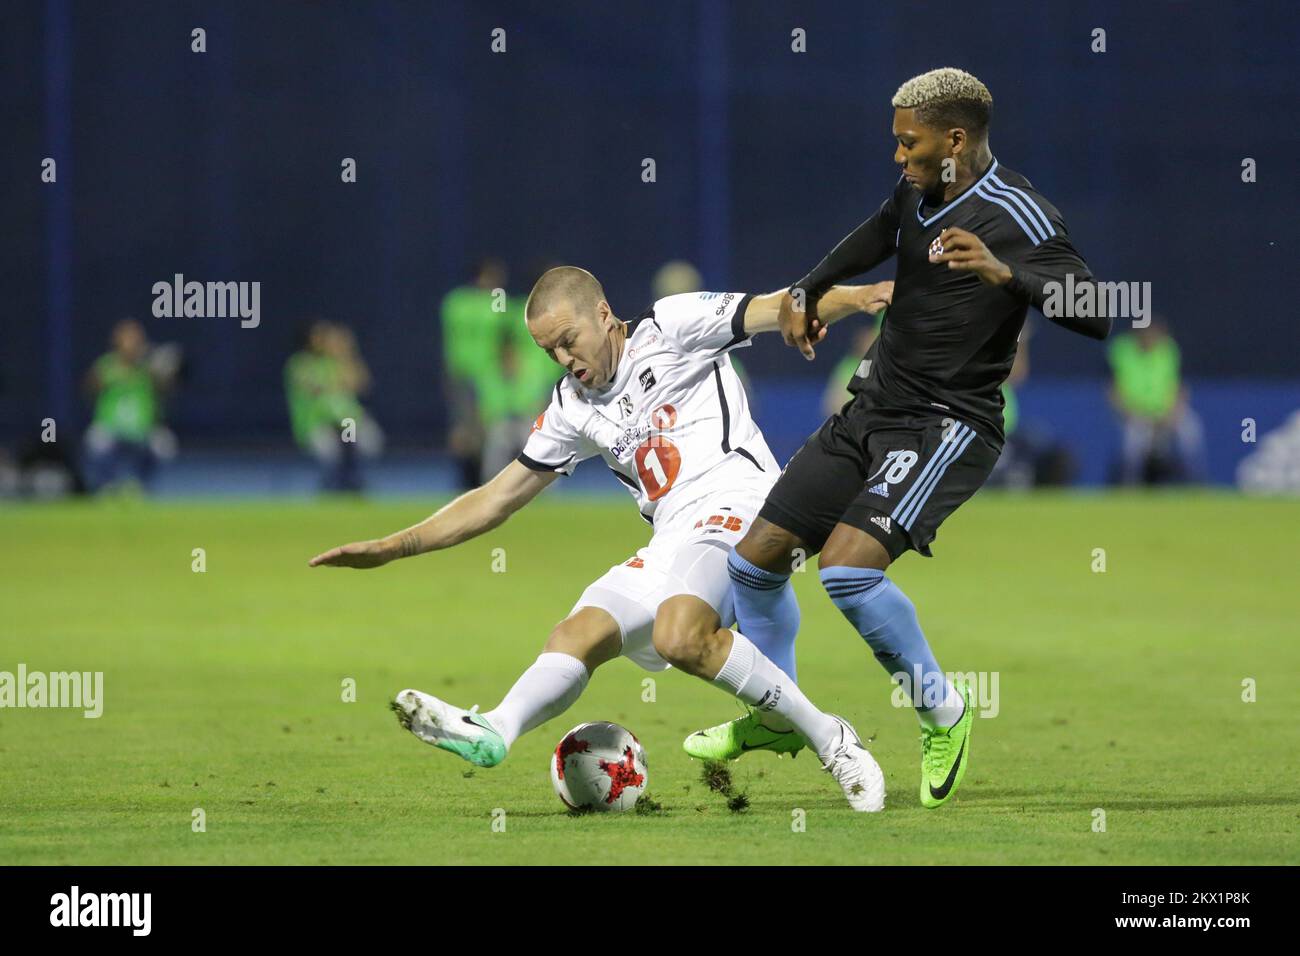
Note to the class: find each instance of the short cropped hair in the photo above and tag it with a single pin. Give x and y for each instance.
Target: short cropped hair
(564, 285)
(948, 98)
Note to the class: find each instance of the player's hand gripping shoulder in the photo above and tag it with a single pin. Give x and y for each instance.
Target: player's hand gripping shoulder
(803, 319)
(468, 516)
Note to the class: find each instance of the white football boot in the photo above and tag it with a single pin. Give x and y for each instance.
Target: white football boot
(448, 727)
(855, 770)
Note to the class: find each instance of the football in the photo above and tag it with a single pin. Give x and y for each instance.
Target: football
(599, 766)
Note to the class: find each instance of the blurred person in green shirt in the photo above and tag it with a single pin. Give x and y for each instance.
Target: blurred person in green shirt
(1162, 436)
(509, 400)
(323, 383)
(472, 319)
(127, 438)
(495, 378)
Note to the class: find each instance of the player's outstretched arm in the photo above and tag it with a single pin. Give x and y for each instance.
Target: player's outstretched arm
(470, 515)
(768, 313)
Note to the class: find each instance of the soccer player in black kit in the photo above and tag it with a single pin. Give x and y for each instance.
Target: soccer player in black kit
(976, 246)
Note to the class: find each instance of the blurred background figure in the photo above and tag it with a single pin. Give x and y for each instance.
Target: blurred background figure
(676, 277)
(127, 438)
(496, 377)
(323, 383)
(1162, 435)
(510, 397)
(471, 322)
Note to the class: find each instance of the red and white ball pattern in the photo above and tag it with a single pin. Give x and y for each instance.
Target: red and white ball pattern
(599, 766)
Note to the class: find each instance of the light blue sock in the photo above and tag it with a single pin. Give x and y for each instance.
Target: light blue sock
(886, 619)
(766, 611)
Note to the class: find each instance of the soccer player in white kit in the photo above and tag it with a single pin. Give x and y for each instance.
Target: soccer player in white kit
(658, 400)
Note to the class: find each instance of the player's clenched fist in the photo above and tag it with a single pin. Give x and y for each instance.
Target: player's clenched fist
(965, 251)
(797, 319)
(359, 554)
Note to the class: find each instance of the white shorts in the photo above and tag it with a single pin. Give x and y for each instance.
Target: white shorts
(688, 557)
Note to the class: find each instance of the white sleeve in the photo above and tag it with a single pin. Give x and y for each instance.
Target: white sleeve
(554, 444)
(711, 322)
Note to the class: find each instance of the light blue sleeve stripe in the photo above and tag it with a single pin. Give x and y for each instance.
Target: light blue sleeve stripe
(1020, 204)
(1014, 215)
(1047, 223)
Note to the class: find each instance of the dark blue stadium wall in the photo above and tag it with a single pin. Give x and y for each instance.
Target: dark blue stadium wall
(226, 166)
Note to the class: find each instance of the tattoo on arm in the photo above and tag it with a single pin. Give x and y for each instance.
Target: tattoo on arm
(410, 544)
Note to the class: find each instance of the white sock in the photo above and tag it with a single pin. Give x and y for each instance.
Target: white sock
(946, 714)
(547, 689)
(760, 683)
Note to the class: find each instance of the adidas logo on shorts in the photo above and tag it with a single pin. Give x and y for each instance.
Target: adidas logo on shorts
(881, 489)
(882, 522)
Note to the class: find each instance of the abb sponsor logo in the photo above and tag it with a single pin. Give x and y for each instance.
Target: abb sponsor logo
(726, 522)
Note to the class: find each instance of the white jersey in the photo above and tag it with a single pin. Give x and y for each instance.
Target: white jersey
(674, 424)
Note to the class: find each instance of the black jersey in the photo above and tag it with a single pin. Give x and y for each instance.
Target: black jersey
(949, 339)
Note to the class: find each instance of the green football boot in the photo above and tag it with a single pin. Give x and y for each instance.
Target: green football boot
(734, 739)
(945, 754)
(462, 732)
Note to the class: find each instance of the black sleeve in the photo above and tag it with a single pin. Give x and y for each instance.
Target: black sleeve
(1052, 261)
(864, 248)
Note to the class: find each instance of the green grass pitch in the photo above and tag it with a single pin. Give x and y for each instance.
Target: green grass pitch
(1120, 691)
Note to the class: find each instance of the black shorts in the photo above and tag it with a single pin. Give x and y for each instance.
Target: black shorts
(893, 474)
